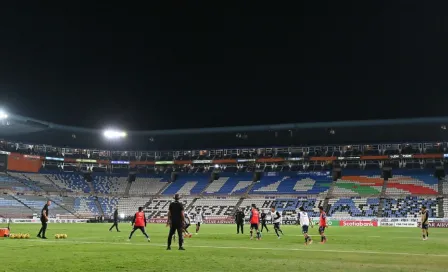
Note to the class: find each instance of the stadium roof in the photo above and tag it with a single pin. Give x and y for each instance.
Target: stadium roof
(32, 131)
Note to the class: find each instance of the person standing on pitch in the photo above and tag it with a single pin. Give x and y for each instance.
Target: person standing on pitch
(176, 221)
(139, 222)
(43, 220)
(115, 220)
(263, 221)
(239, 220)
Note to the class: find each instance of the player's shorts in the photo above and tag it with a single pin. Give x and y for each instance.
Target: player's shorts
(321, 229)
(304, 229)
(140, 228)
(276, 225)
(254, 226)
(425, 226)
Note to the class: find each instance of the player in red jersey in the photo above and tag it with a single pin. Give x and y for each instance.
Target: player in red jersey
(322, 225)
(139, 222)
(254, 222)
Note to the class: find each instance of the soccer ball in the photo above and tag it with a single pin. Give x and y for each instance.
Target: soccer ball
(27, 236)
(64, 236)
(57, 236)
(12, 236)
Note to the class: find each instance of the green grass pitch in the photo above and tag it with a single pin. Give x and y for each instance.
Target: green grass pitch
(91, 247)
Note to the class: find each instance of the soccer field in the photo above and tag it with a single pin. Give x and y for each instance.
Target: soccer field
(91, 247)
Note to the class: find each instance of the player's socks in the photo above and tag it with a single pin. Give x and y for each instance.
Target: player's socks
(251, 234)
(258, 235)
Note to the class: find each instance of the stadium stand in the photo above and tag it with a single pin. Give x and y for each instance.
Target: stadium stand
(70, 182)
(158, 208)
(353, 207)
(303, 184)
(409, 206)
(38, 180)
(109, 184)
(147, 186)
(187, 185)
(215, 207)
(11, 184)
(11, 208)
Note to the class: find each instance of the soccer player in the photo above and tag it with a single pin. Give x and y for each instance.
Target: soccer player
(176, 221)
(425, 223)
(276, 218)
(322, 225)
(43, 220)
(187, 224)
(115, 220)
(263, 221)
(304, 221)
(254, 221)
(199, 218)
(139, 222)
(239, 220)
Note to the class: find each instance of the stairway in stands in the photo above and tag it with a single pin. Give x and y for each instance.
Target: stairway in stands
(64, 208)
(98, 205)
(128, 187)
(249, 189)
(329, 195)
(163, 189)
(237, 206)
(382, 195)
(23, 203)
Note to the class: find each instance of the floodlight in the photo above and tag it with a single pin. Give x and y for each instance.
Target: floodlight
(3, 115)
(114, 134)
(122, 215)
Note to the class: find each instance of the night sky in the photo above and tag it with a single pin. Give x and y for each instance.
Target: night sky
(189, 65)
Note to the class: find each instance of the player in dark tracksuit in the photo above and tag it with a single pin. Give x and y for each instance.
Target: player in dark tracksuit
(239, 220)
(115, 221)
(263, 221)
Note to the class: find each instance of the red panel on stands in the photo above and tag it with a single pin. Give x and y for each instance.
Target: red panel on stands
(18, 162)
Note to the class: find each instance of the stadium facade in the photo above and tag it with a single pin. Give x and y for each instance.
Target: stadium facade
(304, 167)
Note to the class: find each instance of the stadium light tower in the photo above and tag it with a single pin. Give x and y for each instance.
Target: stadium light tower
(114, 134)
(3, 115)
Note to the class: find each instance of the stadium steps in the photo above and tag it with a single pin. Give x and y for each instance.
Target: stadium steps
(249, 189)
(384, 189)
(64, 208)
(329, 195)
(191, 204)
(21, 202)
(54, 184)
(237, 206)
(440, 203)
(128, 187)
(440, 185)
(163, 189)
(92, 189)
(205, 189)
(98, 205)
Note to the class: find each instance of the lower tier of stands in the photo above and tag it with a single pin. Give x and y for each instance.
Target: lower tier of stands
(91, 206)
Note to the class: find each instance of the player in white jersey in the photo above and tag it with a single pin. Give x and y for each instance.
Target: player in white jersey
(187, 224)
(304, 220)
(276, 218)
(198, 218)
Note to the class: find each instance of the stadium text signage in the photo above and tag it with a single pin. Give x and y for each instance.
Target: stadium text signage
(54, 159)
(402, 156)
(203, 161)
(164, 162)
(357, 223)
(119, 162)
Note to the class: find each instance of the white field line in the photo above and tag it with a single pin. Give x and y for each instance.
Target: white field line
(249, 248)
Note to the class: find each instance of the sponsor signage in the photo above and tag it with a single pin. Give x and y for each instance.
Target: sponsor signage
(207, 221)
(164, 162)
(295, 159)
(349, 158)
(402, 156)
(119, 162)
(54, 159)
(32, 157)
(4, 153)
(245, 160)
(203, 161)
(37, 221)
(436, 224)
(358, 223)
(84, 160)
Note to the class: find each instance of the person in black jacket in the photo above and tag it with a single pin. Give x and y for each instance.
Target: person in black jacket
(263, 221)
(115, 220)
(176, 221)
(44, 220)
(239, 220)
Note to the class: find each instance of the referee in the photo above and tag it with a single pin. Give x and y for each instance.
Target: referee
(44, 220)
(176, 221)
